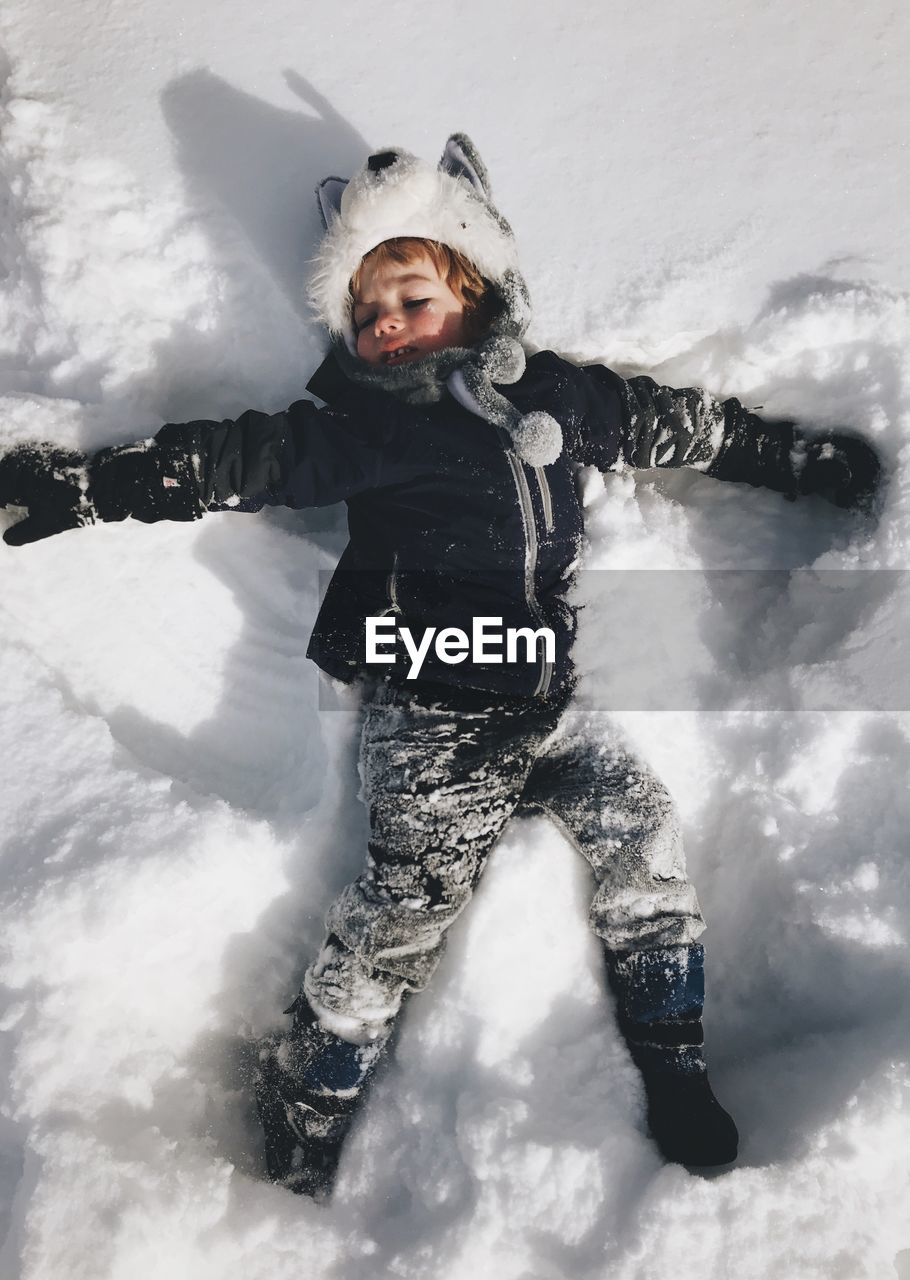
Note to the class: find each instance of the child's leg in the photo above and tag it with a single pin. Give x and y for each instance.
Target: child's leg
(440, 782)
(623, 820)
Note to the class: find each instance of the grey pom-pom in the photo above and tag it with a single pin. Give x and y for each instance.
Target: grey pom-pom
(502, 359)
(537, 438)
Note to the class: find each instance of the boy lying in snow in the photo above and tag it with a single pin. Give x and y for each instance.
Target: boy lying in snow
(457, 458)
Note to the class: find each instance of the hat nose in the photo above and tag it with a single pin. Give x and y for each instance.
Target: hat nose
(381, 160)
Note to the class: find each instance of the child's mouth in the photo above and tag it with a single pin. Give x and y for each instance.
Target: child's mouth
(400, 354)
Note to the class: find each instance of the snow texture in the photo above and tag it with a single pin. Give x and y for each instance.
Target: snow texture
(710, 194)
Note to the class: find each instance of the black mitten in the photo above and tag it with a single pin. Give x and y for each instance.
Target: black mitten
(148, 481)
(63, 489)
(777, 454)
(842, 468)
(52, 483)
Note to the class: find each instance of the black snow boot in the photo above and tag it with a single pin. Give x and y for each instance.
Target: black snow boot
(308, 1088)
(660, 996)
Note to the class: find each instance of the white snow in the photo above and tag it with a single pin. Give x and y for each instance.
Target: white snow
(711, 194)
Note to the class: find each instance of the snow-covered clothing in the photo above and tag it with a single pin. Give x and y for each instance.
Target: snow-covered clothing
(446, 522)
(442, 774)
(442, 771)
(308, 1087)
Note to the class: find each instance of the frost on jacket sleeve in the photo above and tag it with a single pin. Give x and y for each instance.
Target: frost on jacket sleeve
(299, 458)
(647, 425)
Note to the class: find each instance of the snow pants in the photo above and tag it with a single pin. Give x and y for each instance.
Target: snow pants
(441, 777)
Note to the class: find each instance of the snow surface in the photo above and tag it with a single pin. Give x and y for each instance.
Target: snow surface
(712, 194)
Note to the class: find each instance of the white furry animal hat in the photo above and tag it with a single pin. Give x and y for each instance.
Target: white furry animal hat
(395, 194)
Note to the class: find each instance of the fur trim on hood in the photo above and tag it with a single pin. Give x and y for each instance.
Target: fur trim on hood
(395, 194)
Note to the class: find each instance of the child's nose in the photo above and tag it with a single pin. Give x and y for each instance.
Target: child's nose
(389, 322)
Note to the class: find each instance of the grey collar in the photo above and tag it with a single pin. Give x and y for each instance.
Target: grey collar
(468, 374)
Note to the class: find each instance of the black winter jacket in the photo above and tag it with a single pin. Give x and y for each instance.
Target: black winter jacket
(446, 523)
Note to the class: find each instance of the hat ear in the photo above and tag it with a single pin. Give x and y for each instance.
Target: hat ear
(462, 160)
(328, 197)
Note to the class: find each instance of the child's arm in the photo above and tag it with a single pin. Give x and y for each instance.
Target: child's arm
(302, 457)
(663, 427)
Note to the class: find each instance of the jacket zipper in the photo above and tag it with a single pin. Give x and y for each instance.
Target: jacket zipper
(468, 401)
(530, 526)
(391, 587)
(545, 498)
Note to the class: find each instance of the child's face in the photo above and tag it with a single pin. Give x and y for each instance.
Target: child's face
(405, 311)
